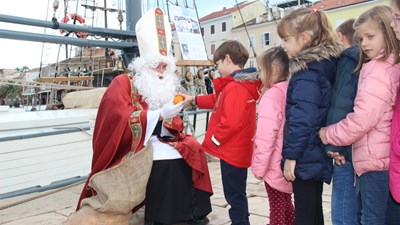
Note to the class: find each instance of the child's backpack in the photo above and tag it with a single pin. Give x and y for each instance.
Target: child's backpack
(394, 164)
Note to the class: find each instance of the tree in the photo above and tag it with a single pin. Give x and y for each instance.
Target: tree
(13, 92)
(22, 69)
(9, 91)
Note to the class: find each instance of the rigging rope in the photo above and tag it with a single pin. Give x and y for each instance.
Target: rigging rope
(44, 32)
(247, 32)
(198, 20)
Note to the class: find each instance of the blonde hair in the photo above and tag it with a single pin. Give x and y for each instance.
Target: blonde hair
(382, 16)
(312, 21)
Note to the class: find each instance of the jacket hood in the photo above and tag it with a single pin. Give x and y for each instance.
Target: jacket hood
(247, 77)
(304, 60)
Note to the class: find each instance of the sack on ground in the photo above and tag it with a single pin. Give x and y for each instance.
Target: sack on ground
(122, 187)
(118, 190)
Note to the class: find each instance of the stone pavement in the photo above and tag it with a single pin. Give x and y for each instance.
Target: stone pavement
(53, 207)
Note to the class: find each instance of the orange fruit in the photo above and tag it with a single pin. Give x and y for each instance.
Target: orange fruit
(178, 98)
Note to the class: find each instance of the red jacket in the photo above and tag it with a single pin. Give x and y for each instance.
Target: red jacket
(233, 119)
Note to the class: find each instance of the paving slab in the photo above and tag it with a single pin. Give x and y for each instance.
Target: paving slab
(54, 206)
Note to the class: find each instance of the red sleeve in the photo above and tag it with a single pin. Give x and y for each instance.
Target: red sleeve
(206, 101)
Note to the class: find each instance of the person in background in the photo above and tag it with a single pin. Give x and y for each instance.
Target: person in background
(181, 89)
(268, 139)
(369, 126)
(188, 83)
(209, 81)
(201, 88)
(344, 203)
(232, 124)
(313, 48)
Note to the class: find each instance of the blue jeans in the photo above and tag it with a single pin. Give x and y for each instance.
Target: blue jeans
(344, 201)
(393, 212)
(234, 185)
(372, 191)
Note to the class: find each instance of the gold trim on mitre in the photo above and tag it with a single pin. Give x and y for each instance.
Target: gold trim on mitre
(160, 26)
(153, 33)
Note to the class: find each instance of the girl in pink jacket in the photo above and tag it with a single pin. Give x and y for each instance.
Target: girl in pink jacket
(368, 127)
(268, 138)
(394, 164)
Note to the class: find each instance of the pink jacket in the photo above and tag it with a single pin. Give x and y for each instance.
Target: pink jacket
(368, 127)
(394, 164)
(268, 139)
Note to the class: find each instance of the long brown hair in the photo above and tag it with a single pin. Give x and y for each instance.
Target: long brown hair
(382, 16)
(312, 21)
(278, 57)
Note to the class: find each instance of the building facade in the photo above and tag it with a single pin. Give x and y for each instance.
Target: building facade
(217, 26)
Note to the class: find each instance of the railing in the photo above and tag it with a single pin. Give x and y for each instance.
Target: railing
(190, 119)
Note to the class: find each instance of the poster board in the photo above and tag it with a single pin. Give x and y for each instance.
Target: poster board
(189, 33)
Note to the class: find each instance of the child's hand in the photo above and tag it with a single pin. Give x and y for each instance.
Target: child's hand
(322, 135)
(288, 170)
(339, 159)
(188, 98)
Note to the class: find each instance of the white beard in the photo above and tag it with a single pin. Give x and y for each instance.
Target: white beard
(155, 91)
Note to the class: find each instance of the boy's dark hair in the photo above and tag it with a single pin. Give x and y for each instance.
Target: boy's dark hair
(236, 51)
(347, 29)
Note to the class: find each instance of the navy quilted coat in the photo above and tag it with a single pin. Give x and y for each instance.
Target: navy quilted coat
(308, 100)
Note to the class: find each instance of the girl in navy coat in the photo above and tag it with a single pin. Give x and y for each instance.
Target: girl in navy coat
(313, 48)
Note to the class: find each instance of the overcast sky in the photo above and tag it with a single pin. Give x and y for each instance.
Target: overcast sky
(22, 53)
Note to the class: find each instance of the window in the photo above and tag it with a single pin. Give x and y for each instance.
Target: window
(212, 29)
(252, 41)
(202, 31)
(252, 63)
(223, 26)
(266, 39)
(212, 49)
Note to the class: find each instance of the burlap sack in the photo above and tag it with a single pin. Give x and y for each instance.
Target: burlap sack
(118, 190)
(87, 99)
(122, 187)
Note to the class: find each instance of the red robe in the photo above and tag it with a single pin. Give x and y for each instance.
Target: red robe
(120, 127)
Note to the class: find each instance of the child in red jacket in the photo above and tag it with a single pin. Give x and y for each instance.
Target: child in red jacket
(232, 123)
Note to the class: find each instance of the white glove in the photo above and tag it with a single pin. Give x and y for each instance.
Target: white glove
(170, 110)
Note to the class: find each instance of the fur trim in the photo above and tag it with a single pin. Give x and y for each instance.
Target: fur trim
(317, 53)
(247, 76)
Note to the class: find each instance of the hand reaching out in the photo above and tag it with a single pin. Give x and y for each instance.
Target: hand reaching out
(188, 98)
(322, 135)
